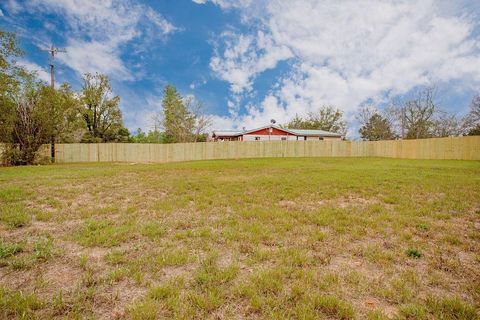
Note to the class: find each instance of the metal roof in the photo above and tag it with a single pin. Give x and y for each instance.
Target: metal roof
(227, 133)
(297, 132)
(323, 133)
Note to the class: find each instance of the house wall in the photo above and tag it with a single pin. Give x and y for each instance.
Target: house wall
(251, 137)
(275, 132)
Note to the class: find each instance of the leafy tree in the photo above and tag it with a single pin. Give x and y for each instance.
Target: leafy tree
(10, 79)
(153, 136)
(100, 111)
(327, 118)
(178, 121)
(377, 128)
(30, 128)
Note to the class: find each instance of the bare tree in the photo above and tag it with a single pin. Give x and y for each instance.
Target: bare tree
(414, 118)
(447, 124)
(471, 122)
(202, 120)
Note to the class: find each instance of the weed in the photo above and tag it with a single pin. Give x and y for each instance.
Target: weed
(14, 215)
(9, 249)
(18, 304)
(43, 248)
(104, 233)
(331, 306)
(414, 253)
(153, 230)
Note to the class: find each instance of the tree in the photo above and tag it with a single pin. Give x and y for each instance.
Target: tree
(472, 119)
(30, 128)
(377, 128)
(11, 77)
(100, 111)
(327, 118)
(416, 116)
(153, 136)
(178, 121)
(202, 121)
(446, 124)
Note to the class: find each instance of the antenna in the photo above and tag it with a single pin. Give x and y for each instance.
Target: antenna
(52, 51)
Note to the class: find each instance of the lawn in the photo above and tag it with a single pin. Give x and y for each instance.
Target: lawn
(271, 238)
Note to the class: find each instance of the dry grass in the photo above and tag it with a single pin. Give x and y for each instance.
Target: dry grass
(259, 239)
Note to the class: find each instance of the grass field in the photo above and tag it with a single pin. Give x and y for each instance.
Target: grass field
(260, 239)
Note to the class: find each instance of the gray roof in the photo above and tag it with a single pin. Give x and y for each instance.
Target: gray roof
(297, 132)
(323, 133)
(227, 133)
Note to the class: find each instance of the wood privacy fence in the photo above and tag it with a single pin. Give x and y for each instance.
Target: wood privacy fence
(465, 148)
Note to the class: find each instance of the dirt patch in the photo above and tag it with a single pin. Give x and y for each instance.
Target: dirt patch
(339, 202)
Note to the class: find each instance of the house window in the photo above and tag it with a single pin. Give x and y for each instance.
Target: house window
(320, 138)
(284, 138)
(257, 138)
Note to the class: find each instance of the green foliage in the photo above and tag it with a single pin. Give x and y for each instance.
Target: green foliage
(31, 113)
(100, 112)
(327, 118)
(414, 253)
(10, 79)
(153, 136)
(377, 128)
(177, 120)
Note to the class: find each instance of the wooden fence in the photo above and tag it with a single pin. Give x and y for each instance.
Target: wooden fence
(465, 148)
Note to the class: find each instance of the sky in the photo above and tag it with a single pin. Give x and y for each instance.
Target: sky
(249, 61)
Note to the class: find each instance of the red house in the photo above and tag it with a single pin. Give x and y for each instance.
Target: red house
(273, 132)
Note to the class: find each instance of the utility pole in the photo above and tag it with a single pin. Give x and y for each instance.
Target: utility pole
(52, 51)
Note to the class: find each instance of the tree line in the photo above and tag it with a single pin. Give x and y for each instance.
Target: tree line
(33, 113)
(415, 118)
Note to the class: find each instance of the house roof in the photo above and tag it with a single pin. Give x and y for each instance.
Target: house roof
(296, 132)
(315, 133)
(227, 133)
(266, 127)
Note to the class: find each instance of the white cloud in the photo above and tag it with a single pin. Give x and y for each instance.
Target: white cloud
(41, 73)
(12, 6)
(99, 29)
(94, 56)
(245, 56)
(346, 52)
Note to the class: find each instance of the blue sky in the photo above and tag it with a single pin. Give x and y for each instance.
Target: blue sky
(252, 60)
